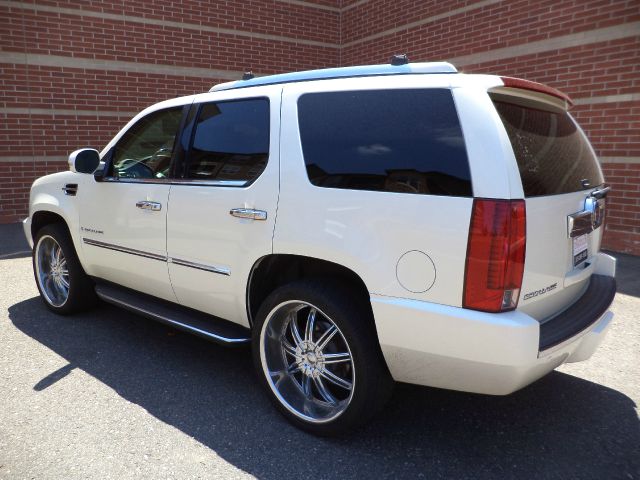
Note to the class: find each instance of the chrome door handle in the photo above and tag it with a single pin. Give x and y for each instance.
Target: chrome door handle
(146, 205)
(249, 213)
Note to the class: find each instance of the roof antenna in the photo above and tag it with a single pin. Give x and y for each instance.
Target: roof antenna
(248, 75)
(399, 59)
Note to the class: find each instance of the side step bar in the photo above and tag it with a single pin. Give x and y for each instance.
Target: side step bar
(183, 318)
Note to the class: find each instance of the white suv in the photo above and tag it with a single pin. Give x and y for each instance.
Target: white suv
(356, 225)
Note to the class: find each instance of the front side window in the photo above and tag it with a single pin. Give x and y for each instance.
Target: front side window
(405, 141)
(144, 151)
(231, 141)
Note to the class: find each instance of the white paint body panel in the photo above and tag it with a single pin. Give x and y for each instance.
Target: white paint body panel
(47, 195)
(459, 349)
(494, 171)
(110, 208)
(549, 255)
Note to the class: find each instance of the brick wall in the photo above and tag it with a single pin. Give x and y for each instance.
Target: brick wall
(73, 72)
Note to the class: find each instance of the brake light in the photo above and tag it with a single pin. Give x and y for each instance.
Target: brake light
(535, 87)
(495, 255)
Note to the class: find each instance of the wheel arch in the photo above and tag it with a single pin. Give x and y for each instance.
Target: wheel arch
(42, 218)
(272, 271)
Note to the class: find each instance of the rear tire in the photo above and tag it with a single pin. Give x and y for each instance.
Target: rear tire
(63, 285)
(317, 354)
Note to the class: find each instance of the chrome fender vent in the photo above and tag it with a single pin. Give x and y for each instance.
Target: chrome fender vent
(70, 189)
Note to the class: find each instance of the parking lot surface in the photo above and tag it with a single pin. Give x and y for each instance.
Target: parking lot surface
(108, 394)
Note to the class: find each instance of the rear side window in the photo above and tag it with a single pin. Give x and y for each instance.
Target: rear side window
(553, 155)
(231, 141)
(407, 141)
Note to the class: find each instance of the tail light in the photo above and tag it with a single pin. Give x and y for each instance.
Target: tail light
(495, 255)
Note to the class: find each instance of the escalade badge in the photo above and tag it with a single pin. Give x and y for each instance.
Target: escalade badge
(542, 291)
(92, 230)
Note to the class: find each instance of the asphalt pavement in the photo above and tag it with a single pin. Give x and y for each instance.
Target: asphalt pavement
(108, 394)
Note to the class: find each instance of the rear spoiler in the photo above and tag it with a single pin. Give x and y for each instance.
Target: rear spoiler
(526, 89)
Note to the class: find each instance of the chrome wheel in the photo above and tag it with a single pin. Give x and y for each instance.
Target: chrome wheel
(52, 271)
(307, 361)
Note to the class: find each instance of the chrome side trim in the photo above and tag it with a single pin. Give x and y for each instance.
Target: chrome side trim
(118, 248)
(132, 251)
(200, 266)
(153, 315)
(214, 183)
(162, 181)
(176, 181)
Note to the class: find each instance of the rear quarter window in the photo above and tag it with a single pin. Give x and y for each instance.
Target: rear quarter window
(406, 141)
(552, 153)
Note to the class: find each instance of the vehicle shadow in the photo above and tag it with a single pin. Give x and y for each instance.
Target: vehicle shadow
(13, 244)
(561, 426)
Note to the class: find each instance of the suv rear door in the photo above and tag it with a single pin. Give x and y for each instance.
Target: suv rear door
(564, 193)
(222, 206)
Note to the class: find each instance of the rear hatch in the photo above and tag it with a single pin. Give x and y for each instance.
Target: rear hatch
(564, 195)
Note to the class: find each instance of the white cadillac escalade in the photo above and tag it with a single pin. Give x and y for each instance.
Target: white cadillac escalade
(356, 225)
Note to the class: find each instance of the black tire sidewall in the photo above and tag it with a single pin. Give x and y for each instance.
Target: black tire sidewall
(373, 384)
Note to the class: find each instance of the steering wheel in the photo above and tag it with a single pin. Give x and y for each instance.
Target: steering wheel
(131, 168)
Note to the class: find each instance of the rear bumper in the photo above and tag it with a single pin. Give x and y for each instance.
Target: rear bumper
(459, 349)
(580, 316)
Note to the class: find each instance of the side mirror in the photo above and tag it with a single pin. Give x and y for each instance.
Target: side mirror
(85, 160)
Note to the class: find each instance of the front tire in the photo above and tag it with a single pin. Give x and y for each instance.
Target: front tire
(63, 285)
(317, 354)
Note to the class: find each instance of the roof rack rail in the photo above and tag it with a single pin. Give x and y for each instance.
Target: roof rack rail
(405, 68)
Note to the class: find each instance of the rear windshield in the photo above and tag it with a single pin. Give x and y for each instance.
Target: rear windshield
(553, 155)
(403, 141)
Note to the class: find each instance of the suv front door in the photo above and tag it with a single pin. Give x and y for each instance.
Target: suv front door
(123, 218)
(222, 211)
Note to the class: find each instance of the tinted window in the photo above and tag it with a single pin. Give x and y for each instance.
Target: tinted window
(144, 151)
(553, 155)
(406, 141)
(231, 141)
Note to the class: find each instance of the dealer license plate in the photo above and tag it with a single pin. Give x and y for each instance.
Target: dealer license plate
(580, 250)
